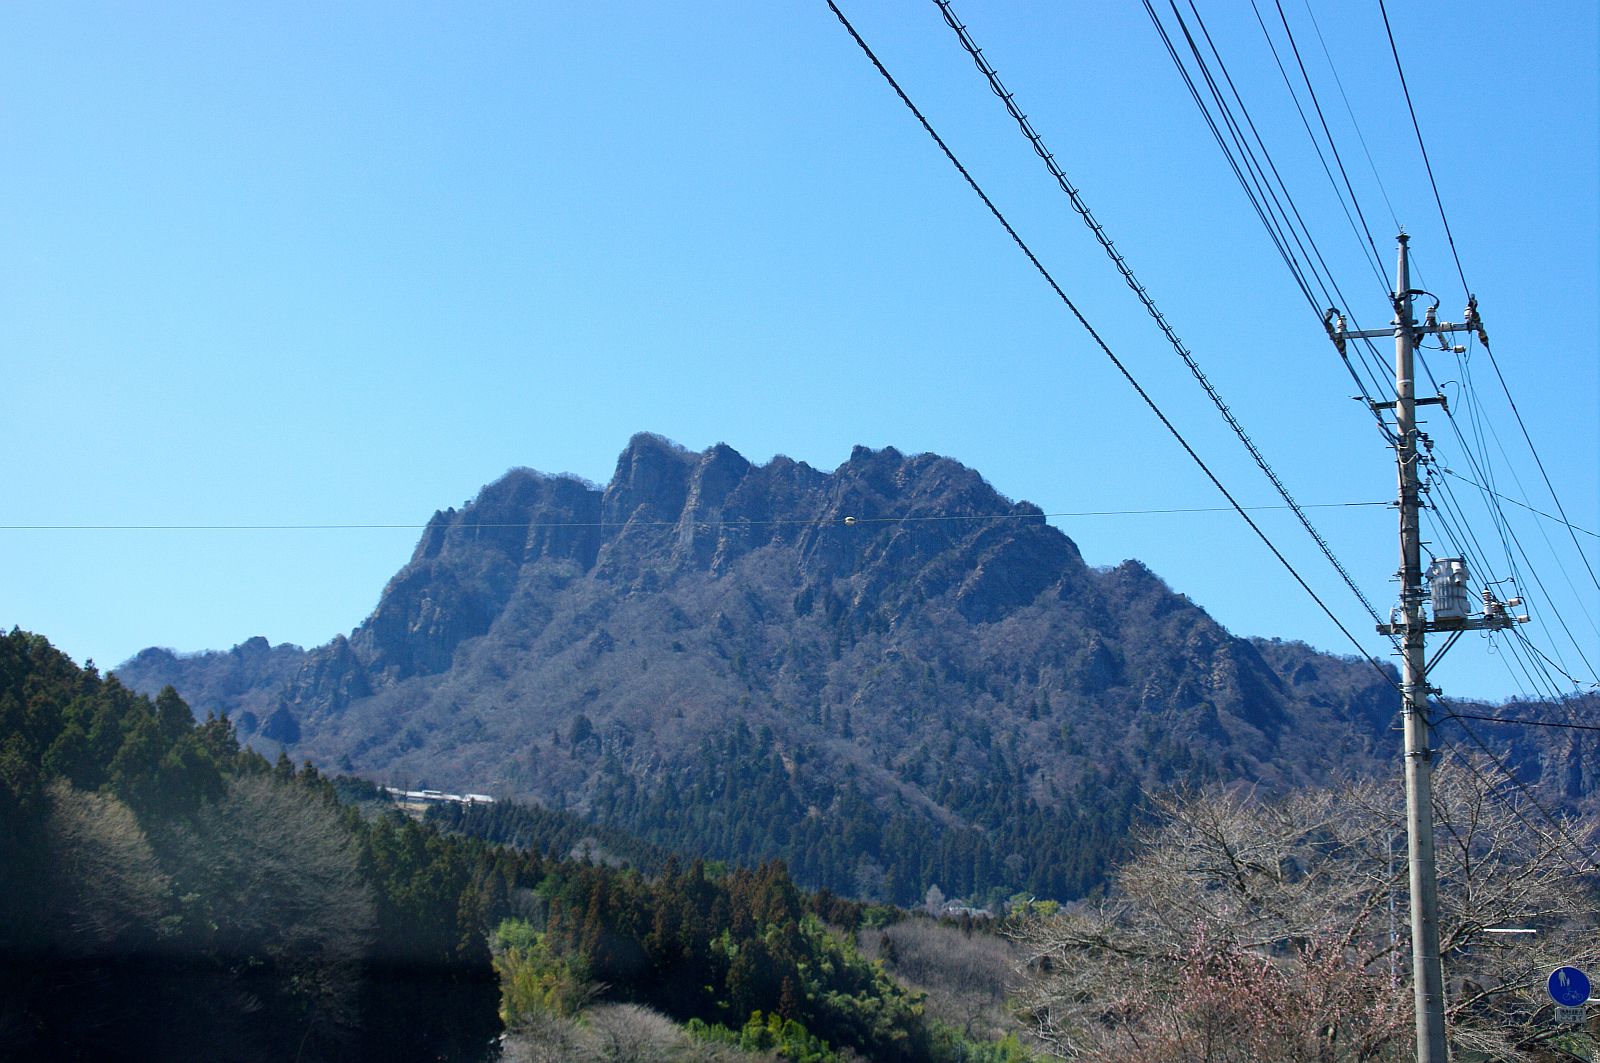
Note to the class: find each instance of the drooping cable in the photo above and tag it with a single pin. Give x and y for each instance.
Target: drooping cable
(1543, 656)
(1143, 294)
(1461, 272)
(1261, 189)
(1509, 542)
(1248, 165)
(1552, 724)
(1333, 68)
(1428, 165)
(1095, 336)
(1324, 274)
(1374, 364)
(1518, 503)
(1487, 431)
(1578, 728)
(1449, 519)
(532, 525)
(1540, 463)
(1332, 146)
(1264, 152)
(1267, 223)
(1481, 464)
(1367, 249)
(1532, 799)
(1527, 674)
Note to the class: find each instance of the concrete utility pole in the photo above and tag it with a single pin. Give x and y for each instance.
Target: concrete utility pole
(1447, 577)
(1427, 970)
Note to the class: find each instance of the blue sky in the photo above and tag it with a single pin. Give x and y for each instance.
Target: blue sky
(293, 264)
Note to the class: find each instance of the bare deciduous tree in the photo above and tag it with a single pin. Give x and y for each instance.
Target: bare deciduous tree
(109, 887)
(279, 872)
(964, 973)
(629, 1033)
(615, 1033)
(1256, 929)
(544, 1038)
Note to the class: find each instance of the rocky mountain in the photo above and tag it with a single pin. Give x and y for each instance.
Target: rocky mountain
(245, 682)
(889, 674)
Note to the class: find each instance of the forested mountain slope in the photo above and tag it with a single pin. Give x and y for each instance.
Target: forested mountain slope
(169, 895)
(889, 675)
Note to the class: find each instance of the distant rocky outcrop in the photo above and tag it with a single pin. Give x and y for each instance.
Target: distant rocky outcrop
(244, 682)
(704, 639)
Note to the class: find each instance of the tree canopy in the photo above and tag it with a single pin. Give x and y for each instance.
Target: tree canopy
(1254, 929)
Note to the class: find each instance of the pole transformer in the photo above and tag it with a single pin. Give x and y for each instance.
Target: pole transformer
(1410, 623)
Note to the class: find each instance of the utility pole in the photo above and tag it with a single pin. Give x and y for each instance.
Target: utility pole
(1427, 970)
(1447, 577)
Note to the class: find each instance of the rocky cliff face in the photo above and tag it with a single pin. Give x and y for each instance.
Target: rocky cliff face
(893, 633)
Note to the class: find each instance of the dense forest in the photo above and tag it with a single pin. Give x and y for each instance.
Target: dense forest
(153, 867)
(741, 803)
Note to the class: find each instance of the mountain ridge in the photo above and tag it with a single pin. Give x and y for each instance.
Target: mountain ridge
(893, 640)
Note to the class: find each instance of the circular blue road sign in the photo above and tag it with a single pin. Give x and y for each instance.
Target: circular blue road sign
(1569, 986)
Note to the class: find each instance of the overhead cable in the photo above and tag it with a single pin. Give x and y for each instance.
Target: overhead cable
(1508, 539)
(1523, 505)
(1427, 164)
(1461, 272)
(1337, 80)
(1143, 294)
(1098, 340)
(893, 519)
(1510, 776)
(1317, 105)
(1540, 463)
(1252, 185)
(1521, 723)
(1363, 236)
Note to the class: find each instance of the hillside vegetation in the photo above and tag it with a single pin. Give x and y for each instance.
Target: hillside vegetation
(889, 676)
(155, 870)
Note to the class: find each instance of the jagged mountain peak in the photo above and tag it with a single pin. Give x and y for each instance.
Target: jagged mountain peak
(914, 639)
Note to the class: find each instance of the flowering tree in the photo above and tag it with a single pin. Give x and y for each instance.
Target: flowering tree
(1249, 929)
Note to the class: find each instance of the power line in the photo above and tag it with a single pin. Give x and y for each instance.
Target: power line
(900, 518)
(1143, 294)
(1294, 97)
(1269, 223)
(1521, 723)
(1532, 799)
(1333, 69)
(1523, 505)
(1540, 463)
(1325, 275)
(1461, 272)
(1570, 677)
(1494, 436)
(1508, 539)
(1262, 212)
(1404, 88)
(1514, 548)
(1100, 342)
(1262, 195)
(1449, 518)
(1317, 106)
(1375, 364)
(1262, 189)
(1274, 232)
